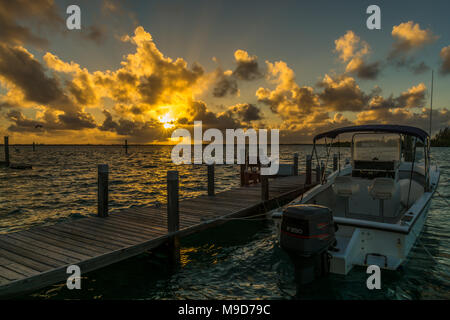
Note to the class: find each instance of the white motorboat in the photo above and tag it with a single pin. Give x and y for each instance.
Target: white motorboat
(370, 211)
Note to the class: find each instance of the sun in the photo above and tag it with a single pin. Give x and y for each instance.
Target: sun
(167, 121)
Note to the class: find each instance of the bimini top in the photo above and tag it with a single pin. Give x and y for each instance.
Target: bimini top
(412, 131)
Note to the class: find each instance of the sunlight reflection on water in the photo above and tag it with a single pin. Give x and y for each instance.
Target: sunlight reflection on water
(239, 260)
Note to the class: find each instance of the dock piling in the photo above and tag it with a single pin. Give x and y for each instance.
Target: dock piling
(126, 146)
(335, 162)
(264, 188)
(295, 164)
(102, 201)
(308, 169)
(173, 214)
(211, 180)
(7, 151)
(34, 147)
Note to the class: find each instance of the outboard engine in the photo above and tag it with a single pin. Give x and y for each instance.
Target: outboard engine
(307, 232)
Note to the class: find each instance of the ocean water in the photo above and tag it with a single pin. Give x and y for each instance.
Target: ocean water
(238, 260)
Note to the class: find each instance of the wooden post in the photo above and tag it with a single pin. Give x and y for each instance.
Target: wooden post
(6, 151)
(295, 164)
(126, 146)
(34, 147)
(211, 180)
(173, 215)
(264, 188)
(335, 162)
(317, 173)
(308, 169)
(242, 174)
(102, 200)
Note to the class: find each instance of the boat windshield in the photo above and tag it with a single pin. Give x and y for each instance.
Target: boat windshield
(376, 147)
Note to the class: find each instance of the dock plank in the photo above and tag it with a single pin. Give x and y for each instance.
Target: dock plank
(39, 256)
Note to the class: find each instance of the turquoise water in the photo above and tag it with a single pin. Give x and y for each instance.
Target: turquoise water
(238, 260)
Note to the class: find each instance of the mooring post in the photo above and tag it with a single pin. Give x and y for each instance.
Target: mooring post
(211, 180)
(308, 169)
(173, 214)
(295, 164)
(102, 201)
(34, 148)
(126, 146)
(6, 151)
(317, 173)
(335, 162)
(264, 188)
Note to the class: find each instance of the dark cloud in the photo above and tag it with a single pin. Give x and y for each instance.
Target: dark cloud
(140, 131)
(82, 89)
(19, 67)
(414, 97)
(342, 93)
(199, 112)
(441, 117)
(94, 33)
(50, 121)
(151, 88)
(408, 36)
(247, 66)
(36, 12)
(244, 112)
(420, 68)
(369, 71)
(77, 121)
(409, 63)
(445, 56)
(225, 84)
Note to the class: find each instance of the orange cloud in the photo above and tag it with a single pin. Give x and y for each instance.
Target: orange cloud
(445, 56)
(409, 35)
(352, 51)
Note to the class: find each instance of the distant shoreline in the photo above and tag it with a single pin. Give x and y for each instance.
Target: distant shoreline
(133, 145)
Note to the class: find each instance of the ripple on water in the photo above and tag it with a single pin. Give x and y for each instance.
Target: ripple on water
(239, 260)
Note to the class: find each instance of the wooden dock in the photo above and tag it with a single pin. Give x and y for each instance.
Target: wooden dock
(38, 257)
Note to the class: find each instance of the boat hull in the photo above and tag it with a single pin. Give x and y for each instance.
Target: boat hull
(364, 243)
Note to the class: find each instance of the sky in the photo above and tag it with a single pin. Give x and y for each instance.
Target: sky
(138, 70)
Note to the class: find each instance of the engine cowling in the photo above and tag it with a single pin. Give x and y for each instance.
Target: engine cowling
(307, 232)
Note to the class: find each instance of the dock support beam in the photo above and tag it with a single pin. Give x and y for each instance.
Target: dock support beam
(6, 151)
(211, 180)
(335, 162)
(308, 169)
(264, 188)
(126, 146)
(102, 201)
(295, 164)
(173, 215)
(34, 147)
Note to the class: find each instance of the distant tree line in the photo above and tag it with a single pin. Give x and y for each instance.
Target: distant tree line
(441, 139)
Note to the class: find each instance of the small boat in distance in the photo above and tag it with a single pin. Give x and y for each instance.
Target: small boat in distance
(370, 211)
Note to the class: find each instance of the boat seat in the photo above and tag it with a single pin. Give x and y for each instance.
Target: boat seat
(343, 186)
(415, 193)
(382, 188)
(387, 192)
